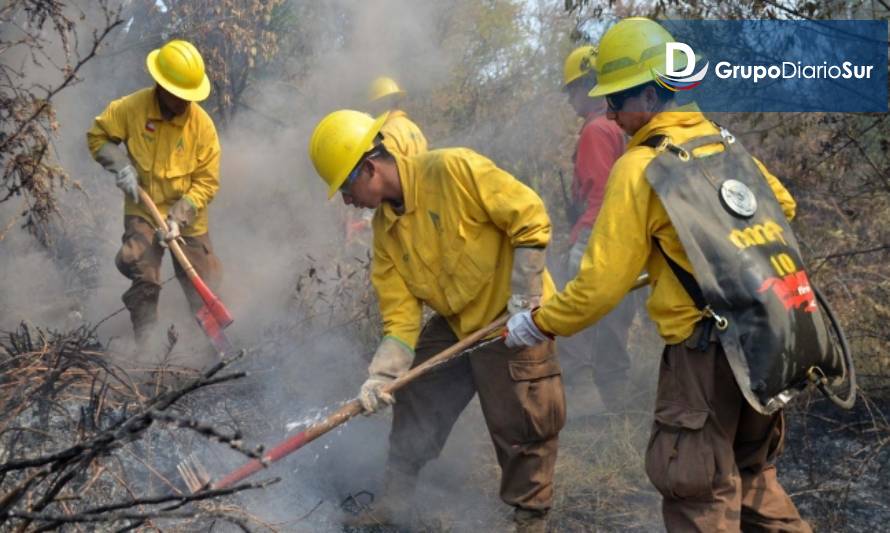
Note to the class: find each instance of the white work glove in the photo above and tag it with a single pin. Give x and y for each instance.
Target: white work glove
(523, 332)
(127, 180)
(392, 359)
(181, 214)
(171, 234)
(526, 279)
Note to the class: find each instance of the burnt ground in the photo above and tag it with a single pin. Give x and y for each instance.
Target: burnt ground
(835, 467)
(836, 464)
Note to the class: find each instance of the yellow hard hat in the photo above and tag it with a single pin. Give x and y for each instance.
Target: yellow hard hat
(579, 63)
(383, 87)
(178, 67)
(627, 54)
(338, 142)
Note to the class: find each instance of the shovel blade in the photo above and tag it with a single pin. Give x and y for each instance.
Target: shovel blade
(213, 330)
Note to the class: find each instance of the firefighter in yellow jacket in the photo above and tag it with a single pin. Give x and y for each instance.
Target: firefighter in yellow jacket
(711, 454)
(456, 233)
(161, 140)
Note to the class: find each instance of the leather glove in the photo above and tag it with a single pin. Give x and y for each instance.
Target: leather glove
(527, 279)
(171, 234)
(392, 359)
(523, 332)
(183, 211)
(127, 180)
(114, 159)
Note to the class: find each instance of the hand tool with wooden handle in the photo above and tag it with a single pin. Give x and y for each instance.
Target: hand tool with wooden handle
(195, 476)
(213, 317)
(192, 473)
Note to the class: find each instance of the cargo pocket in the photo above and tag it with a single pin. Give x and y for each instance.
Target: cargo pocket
(538, 386)
(680, 459)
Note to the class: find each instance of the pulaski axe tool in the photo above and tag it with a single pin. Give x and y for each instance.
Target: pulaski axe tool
(213, 317)
(196, 477)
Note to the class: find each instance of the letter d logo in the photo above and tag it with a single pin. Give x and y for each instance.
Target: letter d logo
(679, 80)
(670, 52)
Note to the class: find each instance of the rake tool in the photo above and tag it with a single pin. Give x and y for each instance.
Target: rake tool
(213, 316)
(196, 477)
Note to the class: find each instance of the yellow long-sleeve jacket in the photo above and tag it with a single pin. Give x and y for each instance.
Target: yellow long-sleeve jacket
(451, 245)
(402, 136)
(174, 158)
(621, 246)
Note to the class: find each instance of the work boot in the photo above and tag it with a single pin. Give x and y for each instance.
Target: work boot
(529, 521)
(393, 509)
(141, 299)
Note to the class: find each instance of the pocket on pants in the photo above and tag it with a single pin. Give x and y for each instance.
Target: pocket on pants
(538, 386)
(680, 459)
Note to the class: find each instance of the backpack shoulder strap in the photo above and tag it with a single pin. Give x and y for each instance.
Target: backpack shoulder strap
(686, 279)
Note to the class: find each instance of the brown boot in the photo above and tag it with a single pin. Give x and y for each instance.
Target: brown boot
(529, 521)
(141, 299)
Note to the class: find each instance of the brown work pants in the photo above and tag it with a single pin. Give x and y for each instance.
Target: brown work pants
(710, 454)
(522, 401)
(139, 259)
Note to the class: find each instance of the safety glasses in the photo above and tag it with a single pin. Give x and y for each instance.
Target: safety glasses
(616, 101)
(350, 179)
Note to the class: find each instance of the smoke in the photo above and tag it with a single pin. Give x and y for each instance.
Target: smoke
(271, 221)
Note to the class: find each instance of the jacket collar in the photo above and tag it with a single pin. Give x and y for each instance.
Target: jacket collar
(683, 116)
(408, 171)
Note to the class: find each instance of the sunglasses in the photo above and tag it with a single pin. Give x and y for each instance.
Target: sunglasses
(350, 179)
(616, 101)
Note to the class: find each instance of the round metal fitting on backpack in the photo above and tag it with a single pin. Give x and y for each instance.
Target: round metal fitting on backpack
(738, 199)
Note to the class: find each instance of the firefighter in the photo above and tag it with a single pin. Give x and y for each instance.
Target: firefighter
(401, 135)
(600, 144)
(161, 140)
(456, 233)
(715, 436)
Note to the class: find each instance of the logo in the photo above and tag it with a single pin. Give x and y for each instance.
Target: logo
(793, 290)
(150, 126)
(684, 79)
(435, 218)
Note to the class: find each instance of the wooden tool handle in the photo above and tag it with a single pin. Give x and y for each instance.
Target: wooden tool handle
(162, 224)
(354, 408)
(446, 355)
